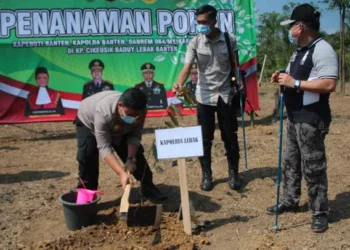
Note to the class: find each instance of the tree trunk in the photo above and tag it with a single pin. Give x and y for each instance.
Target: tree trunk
(343, 51)
(341, 34)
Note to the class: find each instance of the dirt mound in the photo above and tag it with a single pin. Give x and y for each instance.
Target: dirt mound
(169, 236)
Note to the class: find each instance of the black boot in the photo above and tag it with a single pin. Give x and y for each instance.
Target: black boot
(207, 181)
(233, 175)
(319, 223)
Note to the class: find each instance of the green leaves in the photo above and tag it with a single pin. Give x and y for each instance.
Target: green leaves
(175, 110)
(169, 124)
(172, 114)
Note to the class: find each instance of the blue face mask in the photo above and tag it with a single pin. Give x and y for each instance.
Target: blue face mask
(203, 29)
(292, 40)
(128, 119)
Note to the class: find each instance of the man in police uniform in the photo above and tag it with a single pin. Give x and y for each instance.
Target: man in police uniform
(155, 91)
(194, 79)
(96, 67)
(110, 123)
(311, 76)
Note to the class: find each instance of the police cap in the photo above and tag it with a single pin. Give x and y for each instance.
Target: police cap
(148, 67)
(96, 64)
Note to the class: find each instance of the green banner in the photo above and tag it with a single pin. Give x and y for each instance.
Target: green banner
(65, 36)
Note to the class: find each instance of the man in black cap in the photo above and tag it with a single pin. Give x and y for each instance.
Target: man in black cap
(311, 76)
(96, 85)
(155, 91)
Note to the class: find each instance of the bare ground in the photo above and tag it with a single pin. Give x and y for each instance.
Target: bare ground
(38, 164)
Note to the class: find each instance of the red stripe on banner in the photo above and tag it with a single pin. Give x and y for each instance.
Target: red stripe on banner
(12, 82)
(71, 96)
(12, 108)
(249, 64)
(26, 86)
(252, 103)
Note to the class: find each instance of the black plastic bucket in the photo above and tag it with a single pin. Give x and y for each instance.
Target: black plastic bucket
(78, 215)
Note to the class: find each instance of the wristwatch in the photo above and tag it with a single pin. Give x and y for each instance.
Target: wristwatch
(131, 158)
(297, 84)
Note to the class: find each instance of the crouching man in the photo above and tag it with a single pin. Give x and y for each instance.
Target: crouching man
(107, 123)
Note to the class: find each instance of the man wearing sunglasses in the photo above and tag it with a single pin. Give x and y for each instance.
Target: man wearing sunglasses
(110, 123)
(311, 76)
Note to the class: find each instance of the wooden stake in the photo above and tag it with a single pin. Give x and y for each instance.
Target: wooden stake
(124, 204)
(262, 70)
(252, 120)
(185, 202)
(158, 216)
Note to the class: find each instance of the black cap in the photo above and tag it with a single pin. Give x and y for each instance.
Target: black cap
(41, 70)
(96, 64)
(304, 13)
(148, 67)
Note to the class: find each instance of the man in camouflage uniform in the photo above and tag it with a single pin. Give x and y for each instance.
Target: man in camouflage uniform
(311, 77)
(96, 85)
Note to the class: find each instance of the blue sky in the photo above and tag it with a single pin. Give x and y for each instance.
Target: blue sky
(329, 18)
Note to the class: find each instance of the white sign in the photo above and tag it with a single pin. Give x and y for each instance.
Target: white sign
(179, 142)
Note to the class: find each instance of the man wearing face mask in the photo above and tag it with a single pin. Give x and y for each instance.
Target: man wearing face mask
(210, 50)
(311, 76)
(107, 123)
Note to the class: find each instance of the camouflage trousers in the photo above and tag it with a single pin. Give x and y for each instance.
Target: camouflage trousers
(305, 154)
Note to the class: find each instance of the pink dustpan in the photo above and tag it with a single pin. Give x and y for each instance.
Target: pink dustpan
(86, 195)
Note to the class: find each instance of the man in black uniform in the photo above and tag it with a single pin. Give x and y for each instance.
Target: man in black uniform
(194, 78)
(155, 91)
(96, 85)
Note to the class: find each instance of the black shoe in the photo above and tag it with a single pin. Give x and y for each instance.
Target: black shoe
(233, 180)
(152, 193)
(319, 223)
(281, 209)
(207, 182)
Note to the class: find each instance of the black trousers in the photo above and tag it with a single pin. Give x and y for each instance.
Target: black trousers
(228, 127)
(88, 158)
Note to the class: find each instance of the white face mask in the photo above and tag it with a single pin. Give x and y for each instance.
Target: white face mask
(292, 39)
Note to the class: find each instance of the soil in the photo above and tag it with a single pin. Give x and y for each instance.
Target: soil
(38, 165)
